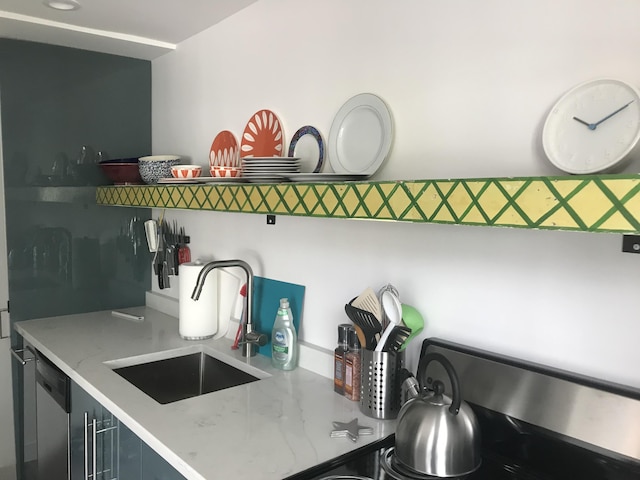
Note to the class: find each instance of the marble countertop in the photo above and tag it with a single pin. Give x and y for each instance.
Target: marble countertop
(269, 429)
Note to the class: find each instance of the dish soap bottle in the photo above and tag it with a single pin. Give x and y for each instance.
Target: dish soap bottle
(284, 341)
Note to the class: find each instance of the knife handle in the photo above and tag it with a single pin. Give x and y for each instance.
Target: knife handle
(184, 254)
(165, 275)
(160, 273)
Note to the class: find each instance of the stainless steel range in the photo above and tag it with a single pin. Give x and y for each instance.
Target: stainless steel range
(536, 423)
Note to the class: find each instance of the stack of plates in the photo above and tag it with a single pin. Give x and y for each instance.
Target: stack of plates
(260, 167)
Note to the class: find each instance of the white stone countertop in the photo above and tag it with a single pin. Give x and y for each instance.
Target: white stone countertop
(268, 429)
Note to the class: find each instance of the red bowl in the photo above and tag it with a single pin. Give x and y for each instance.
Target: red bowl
(122, 173)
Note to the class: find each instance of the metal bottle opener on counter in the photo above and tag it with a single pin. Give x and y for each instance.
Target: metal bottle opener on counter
(169, 242)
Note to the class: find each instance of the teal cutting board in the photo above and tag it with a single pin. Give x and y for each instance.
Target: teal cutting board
(266, 300)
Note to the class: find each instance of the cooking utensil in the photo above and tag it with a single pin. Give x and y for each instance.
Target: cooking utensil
(396, 339)
(170, 256)
(159, 261)
(393, 311)
(437, 435)
(413, 319)
(151, 230)
(368, 301)
(361, 337)
(165, 275)
(367, 322)
(388, 287)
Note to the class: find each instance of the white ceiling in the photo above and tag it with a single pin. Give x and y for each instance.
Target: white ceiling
(134, 28)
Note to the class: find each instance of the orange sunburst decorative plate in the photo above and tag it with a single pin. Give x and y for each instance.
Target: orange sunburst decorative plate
(224, 150)
(263, 136)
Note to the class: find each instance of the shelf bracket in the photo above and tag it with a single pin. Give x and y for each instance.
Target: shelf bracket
(631, 243)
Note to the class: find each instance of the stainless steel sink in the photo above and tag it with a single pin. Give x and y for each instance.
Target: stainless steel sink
(172, 379)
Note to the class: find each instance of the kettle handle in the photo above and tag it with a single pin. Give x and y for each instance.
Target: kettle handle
(455, 386)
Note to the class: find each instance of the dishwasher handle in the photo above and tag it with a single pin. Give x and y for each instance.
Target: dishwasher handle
(2, 335)
(19, 354)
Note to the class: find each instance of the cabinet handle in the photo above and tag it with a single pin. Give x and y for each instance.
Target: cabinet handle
(19, 355)
(93, 428)
(68, 449)
(94, 449)
(86, 446)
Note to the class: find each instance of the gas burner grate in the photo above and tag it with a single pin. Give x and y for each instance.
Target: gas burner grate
(396, 470)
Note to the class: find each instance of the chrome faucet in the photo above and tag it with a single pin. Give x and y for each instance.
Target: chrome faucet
(250, 339)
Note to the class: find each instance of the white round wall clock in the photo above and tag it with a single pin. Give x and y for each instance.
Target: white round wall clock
(594, 127)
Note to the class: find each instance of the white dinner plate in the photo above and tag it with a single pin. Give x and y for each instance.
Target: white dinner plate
(325, 177)
(179, 181)
(266, 174)
(225, 180)
(360, 135)
(292, 168)
(270, 159)
(270, 164)
(265, 178)
(173, 180)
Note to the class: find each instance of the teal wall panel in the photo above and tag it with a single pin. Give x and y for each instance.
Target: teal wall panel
(70, 255)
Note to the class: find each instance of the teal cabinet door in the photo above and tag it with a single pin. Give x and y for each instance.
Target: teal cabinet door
(100, 443)
(129, 454)
(154, 467)
(94, 438)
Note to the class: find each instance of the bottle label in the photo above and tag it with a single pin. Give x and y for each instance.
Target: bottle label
(280, 346)
(281, 349)
(280, 338)
(339, 367)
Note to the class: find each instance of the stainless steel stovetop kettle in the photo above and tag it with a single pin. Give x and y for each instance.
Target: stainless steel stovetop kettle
(437, 435)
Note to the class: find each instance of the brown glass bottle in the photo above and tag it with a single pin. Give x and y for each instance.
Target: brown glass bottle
(353, 362)
(339, 358)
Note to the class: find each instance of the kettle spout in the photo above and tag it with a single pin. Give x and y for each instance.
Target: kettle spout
(410, 389)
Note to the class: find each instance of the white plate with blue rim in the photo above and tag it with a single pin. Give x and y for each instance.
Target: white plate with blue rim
(360, 136)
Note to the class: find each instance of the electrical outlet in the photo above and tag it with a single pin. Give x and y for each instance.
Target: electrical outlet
(631, 243)
(271, 219)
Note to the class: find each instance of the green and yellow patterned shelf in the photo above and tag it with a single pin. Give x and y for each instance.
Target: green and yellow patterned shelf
(590, 203)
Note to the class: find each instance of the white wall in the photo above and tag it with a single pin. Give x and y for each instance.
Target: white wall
(469, 84)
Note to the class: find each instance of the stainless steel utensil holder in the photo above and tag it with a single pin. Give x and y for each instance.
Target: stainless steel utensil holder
(380, 385)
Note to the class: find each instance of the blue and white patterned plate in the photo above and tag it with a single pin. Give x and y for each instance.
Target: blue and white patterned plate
(311, 154)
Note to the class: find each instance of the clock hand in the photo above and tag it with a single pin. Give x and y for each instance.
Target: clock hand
(612, 114)
(590, 125)
(593, 126)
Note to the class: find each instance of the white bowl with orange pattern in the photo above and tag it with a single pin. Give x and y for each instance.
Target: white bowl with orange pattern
(224, 172)
(186, 171)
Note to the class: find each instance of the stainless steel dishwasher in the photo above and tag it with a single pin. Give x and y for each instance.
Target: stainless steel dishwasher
(53, 392)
